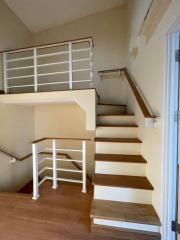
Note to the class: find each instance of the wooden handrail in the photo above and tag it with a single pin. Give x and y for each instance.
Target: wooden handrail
(110, 70)
(12, 156)
(57, 138)
(49, 45)
(143, 106)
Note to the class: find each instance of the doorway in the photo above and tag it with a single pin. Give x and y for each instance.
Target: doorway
(171, 176)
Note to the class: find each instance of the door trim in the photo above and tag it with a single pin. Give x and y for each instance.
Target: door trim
(169, 127)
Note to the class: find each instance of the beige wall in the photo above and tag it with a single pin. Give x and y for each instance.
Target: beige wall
(68, 121)
(16, 132)
(14, 34)
(109, 34)
(16, 123)
(148, 69)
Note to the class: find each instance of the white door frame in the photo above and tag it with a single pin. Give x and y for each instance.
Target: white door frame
(170, 133)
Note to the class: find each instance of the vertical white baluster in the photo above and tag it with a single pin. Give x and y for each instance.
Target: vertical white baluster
(35, 71)
(35, 172)
(84, 166)
(5, 73)
(91, 62)
(70, 66)
(54, 164)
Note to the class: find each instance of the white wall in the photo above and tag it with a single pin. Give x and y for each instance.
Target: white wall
(148, 69)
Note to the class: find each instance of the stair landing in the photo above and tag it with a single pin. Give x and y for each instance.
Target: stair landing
(59, 214)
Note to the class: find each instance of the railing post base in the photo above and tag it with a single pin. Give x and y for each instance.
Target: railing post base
(84, 190)
(36, 197)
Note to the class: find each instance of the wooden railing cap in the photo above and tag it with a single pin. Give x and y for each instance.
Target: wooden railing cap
(59, 138)
(49, 44)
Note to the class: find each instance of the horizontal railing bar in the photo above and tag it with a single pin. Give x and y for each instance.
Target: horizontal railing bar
(64, 149)
(69, 180)
(69, 170)
(82, 81)
(59, 169)
(81, 70)
(20, 86)
(81, 60)
(63, 52)
(19, 68)
(44, 169)
(42, 181)
(42, 160)
(49, 45)
(65, 180)
(19, 59)
(26, 76)
(53, 73)
(52, 54)
(52, 64)
(66, 160)
(52, 83)
(81, 50)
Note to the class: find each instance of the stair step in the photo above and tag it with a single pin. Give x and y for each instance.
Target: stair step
(118, 125)
(124, 211)
(119, 158)
(122, 181)
(117, 131)
(119, 140)
(111, 109)
(115, 114)
(122, 234)
(111, 104)
(116, 119)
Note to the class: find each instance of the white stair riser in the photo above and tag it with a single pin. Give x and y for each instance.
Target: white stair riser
(116, 120)
(127, 225)
(123, 194)
(118, 148)
(105, 109)
(124, 132)
(120, 168)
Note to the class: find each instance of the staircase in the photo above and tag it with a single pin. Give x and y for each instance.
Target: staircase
(122, 205)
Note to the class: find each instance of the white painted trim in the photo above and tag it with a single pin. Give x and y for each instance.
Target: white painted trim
(123, 194)
(169, 135)
(128, 225)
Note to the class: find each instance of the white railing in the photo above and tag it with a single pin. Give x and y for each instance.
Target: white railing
(50, 66)
(54, 151)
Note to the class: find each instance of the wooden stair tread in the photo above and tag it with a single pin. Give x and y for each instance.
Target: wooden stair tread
(122, 233)
(123, 181)
(118, 125)
(116, 115)
(120, 140)
(111, 104)
(125, 212)
(119, 158)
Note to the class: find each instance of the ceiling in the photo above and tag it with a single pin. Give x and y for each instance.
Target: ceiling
(39, 15)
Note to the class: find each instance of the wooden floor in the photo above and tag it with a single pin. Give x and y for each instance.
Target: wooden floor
(62, 214)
